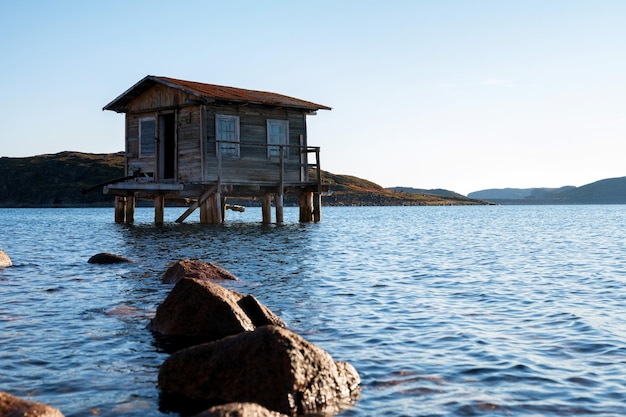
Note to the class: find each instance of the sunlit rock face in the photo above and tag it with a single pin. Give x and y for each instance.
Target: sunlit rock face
(189, 268)
(271, 366)
(4, 260)
(14, 406)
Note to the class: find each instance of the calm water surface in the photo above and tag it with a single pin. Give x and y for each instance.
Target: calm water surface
(445, 311)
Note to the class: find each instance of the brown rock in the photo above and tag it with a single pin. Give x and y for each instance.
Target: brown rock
(11, 406)
(195, 269)
(258, 313)
(271, 366)
(4, 259)
(202, 310)
(108, 258)
(239, 410)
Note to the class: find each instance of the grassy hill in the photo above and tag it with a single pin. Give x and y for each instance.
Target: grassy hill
(57, 180)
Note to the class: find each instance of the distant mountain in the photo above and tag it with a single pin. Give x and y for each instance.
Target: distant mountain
(57, 181)
(607, 191)
(515, 193)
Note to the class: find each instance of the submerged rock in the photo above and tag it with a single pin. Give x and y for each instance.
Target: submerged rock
(4, 259)
(108, 258)
(189, 268)
(271, 366)
(206, 311)
(11, 406)
(239, 410)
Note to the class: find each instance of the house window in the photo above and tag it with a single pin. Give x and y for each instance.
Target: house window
(147, 132)
(277, 134)
(227, 134)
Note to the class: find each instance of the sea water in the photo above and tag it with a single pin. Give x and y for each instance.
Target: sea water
(444, 311)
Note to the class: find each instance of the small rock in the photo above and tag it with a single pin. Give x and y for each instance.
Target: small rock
(189, 268)
(4, 259)
(239, 410)
(270, 366)
(108, 258)
(11, 406)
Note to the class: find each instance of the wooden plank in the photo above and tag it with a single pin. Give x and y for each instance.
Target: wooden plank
(195, 205)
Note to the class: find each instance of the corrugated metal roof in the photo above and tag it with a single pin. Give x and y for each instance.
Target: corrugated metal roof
(211, 92)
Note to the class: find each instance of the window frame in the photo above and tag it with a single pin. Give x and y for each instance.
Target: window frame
(273, 151)
(232, 149)
(147, 145)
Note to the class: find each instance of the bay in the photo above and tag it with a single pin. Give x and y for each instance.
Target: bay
(499, 310)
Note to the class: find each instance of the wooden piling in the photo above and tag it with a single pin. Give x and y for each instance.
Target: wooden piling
(120, 206)
(159, 208)
(130, 209)
(317, 207)
(306, 206)
(266, 208)
(279, 208)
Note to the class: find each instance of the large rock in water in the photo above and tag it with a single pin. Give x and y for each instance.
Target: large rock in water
(189, 268)
(108, 258)
(206, 311)
(271, 366)
(11, 406)
(239, 410)
(4, 259)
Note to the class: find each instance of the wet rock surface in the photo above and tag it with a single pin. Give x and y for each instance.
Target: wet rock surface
(189, 268)
(271, 366)
(105, 258)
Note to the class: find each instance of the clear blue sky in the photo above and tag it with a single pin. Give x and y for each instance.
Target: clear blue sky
(461, 95)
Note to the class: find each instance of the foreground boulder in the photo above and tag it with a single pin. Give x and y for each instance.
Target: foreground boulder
(239, 410)
(196, 269)
(108, 258)
(206, 311)
(11, 406)
(271, 366)
(4, 259)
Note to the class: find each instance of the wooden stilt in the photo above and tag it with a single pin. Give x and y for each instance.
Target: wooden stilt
(159, 208)
(279, 208)
(130, 209)
(223, 206)
(218, 214)
(306, 207)
(266, 208)
(120, 203)
(206, 216)
(317, 207)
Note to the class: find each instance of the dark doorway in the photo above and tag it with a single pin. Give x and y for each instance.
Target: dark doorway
(167, 130)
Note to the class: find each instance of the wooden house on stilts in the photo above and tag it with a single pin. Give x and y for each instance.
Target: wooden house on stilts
(203, 143)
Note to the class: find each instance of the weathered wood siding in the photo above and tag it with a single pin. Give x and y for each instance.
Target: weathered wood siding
(253, 165)
(134, 162)
(196, 139)
(189, 155)
(159, 97)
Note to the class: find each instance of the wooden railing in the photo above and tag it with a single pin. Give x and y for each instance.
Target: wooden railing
(303, 153)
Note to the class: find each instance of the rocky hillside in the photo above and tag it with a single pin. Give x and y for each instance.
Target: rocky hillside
(57, 181)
